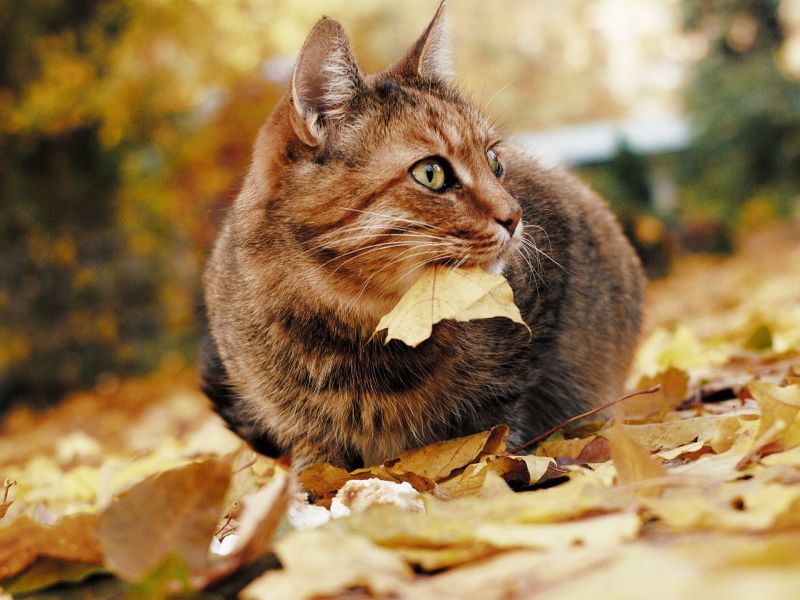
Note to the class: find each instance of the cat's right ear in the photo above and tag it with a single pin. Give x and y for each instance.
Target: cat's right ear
(325, 79)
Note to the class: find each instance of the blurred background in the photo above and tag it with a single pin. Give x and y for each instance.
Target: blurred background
(126, 126)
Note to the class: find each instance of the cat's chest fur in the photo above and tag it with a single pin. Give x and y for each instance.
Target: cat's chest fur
(328, 385)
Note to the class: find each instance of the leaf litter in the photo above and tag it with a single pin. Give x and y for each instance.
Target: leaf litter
(135, 488)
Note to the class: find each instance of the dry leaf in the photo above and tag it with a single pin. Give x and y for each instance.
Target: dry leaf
(570, 448)
(71, 538)
(437, 461)
(174, 512)
(320, 563)
(46, 572)
(632, 461)
(323, 479)
(5, 503)
(657, 437)
(515, 471)
(674, 385)
(444, 293)
(605, 530)
(259, 519)
(778, 405)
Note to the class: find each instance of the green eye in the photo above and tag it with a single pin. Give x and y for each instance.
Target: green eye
(494, 162)
(429, 173)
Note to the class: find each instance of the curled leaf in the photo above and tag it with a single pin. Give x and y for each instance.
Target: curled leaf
(444, 293)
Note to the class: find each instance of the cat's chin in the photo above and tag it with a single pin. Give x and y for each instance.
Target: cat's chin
(495, 266)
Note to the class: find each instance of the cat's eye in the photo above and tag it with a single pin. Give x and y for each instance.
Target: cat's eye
(430, 173)
(494, 163)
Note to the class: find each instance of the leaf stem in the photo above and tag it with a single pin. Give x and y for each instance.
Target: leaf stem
(588, 413)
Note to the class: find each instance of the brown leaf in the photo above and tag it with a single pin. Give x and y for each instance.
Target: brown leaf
(174, 512)
(632, 462)
(571, 448)
(71, 538)
(260, 516)
(418, 482)
(437, 461)
(596, 451)
(674, 385)
(5, 503)
(322, 479)
(514, 471)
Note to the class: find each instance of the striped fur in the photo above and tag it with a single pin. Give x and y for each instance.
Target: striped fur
(330, 229)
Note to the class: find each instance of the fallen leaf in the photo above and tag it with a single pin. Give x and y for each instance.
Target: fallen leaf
(561, 448)
(321, 563)
(322, 479)
(259, 519)
(71, 538)
(444, 293)
(673, 387)
(778, 405)
(174, 512)
(46, 572)
(5, 503)
(632, 461)
(600, 531)
(437, 461)
(515, 471)
(657, 437)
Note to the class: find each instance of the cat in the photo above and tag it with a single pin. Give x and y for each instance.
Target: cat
(357, 183)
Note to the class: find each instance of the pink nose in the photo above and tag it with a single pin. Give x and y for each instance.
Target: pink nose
(509, 220)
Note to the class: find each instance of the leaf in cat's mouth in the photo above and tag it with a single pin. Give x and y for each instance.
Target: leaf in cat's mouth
(461, 294)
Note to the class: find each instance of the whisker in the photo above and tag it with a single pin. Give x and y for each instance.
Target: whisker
(532, 245)
(402, 256)
(374, 248)
(393, 217)
(344, 240)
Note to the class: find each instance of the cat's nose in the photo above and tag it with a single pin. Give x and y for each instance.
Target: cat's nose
(509, 220)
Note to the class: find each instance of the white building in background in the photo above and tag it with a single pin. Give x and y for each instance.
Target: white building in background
(598, 142)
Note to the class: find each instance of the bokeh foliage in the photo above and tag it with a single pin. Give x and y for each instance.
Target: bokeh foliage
(744, 102)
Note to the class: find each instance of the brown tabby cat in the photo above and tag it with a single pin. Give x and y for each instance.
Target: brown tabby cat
(357, 183)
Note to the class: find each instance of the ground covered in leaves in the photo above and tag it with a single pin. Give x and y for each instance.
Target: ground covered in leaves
(137, 490)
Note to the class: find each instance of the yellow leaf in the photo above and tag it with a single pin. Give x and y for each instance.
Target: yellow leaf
(444, 293)
(320, 563)
(778, 404)
(605, 530)
(632, 461)
(673, 434)
(439, 460)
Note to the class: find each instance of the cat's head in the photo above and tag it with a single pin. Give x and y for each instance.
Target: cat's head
(377, 176)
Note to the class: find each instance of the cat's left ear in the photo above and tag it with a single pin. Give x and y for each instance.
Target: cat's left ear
(326, 77)
(430, 56)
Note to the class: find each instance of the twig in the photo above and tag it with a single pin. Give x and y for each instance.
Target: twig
(588, 413)
(246, 465)
(7, 484)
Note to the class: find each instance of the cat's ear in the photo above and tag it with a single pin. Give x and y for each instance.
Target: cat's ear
(325, 79)
(431, 55)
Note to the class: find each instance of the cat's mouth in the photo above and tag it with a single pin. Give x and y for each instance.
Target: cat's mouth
(495, 259)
